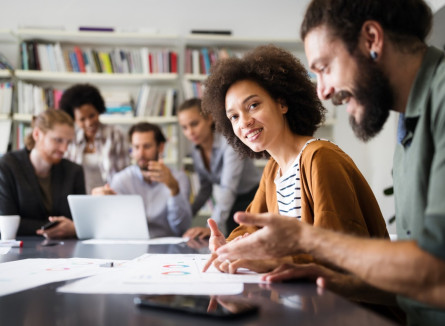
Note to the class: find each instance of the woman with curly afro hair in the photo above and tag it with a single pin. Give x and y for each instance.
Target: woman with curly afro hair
(266, 106)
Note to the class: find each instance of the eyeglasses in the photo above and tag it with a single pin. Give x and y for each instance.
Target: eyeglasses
(60, 140)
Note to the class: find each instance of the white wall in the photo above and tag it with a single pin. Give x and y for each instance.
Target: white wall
(250, 18)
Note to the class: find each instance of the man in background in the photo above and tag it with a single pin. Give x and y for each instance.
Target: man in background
(165, 192)
(371, 55)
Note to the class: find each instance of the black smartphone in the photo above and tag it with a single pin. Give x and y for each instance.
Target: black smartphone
(212, 306)
(49, 225)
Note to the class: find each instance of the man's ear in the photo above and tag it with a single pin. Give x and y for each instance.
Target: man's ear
(36, 133)
(372, 39)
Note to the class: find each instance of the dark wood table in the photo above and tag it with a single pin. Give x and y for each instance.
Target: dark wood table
(298, 303)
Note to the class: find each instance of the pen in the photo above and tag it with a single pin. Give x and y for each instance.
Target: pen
(107, 264)
(11, 243)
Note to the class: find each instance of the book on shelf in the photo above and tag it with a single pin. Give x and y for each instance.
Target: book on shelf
(156, 101)
(192, 89)
(199, 60)
(196, 62)
(206, 59)
(6, 97)
(22, 130)
(33, 99)
(59, 57)
(51, 52)
(96, 61)
(67, 60)
(73, 62)
(105, 62)
(173, 56)
(24, 56)
(79, 57)
(42, 54)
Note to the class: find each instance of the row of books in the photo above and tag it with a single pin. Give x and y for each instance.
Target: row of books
(192, 89)
(21, 132)
(199, 61)
(52, 57)
(156, 101)
(6, 97)
(33, 99)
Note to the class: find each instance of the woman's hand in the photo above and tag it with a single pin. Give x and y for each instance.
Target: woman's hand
(197, 232)
(216, 240)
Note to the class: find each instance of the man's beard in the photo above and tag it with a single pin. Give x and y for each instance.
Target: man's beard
(373, 91)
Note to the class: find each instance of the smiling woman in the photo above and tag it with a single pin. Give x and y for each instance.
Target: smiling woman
(265, 104)
(217, 165)
(101, 149)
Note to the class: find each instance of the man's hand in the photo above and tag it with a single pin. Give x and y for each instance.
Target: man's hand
(278, 238)
(105, 190)
(64, 229)
(344, 284)
(159, 172)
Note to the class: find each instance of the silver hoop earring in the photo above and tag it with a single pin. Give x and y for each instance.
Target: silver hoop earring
(373, 55)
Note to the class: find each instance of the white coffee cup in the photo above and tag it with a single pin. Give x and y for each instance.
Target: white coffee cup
(9, 224)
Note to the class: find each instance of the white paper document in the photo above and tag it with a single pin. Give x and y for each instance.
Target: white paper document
(165, 274)
(155, 241)
(24, 274)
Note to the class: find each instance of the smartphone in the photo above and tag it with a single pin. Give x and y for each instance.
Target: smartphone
(49, 225)
(211, 306)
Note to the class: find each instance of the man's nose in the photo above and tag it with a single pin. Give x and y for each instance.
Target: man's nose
(324, 91)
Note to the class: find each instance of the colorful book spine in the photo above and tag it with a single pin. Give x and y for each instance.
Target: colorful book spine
(105, 62)
(80, 61)
(73, 61)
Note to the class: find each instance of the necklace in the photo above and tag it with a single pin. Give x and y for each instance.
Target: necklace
(90, 146)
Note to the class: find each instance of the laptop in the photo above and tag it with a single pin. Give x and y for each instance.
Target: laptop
(109, 217)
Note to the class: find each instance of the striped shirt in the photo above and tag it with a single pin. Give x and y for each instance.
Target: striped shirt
(289, 188)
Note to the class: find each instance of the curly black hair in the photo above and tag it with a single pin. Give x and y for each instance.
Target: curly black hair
(281, 75)
(81, 94)
(406, 22)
